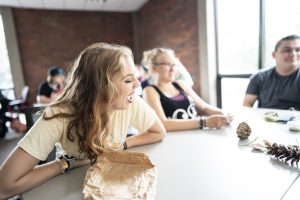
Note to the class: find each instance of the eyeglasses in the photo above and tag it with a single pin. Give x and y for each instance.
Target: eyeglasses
(166, 65)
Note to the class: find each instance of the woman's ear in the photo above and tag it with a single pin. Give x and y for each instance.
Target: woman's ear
(154, 68)
(274, 54)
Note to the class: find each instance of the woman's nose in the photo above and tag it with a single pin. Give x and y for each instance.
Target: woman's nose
(137, 83)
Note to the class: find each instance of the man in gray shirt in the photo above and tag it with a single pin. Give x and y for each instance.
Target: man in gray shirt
(278, 87)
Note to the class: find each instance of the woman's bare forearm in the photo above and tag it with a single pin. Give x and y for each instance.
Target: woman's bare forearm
(181, 124)
(154, 134)
(16, 180)
(143, 139)
(34, 178)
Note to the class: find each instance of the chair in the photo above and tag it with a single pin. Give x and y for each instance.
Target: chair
(18, 105)
(31, 115)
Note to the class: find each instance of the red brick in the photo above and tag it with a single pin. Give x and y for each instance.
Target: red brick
(172, 24)
(49, 38)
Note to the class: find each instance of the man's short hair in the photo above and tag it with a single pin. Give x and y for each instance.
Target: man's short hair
(287, 38)
(55, 71)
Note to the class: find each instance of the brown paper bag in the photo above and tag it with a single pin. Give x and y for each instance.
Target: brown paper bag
(121, 175)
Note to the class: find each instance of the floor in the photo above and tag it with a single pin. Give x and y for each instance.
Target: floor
(8, 143)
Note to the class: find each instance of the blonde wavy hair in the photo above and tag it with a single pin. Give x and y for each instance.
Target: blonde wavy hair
(151, 56)
(89, 93)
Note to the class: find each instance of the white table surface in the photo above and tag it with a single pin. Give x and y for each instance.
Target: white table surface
(204, 164)
(294, 192)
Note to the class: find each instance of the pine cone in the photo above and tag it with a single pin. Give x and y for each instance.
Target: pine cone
(243, 130)
(284, 153)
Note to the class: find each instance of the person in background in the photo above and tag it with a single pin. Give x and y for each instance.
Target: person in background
(279, 86)
(49, 89)
(174, 101)
(90, 116)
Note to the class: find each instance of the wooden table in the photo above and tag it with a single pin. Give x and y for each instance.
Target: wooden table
(204, 164)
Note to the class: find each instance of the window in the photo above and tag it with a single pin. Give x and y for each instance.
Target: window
(238, 33)
(6, 82)
(246, 33)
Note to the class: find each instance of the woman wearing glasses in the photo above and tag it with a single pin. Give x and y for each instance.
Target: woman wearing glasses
(174, 102)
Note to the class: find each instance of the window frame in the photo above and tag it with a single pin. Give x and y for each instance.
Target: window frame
(261, 50)
(13, 49)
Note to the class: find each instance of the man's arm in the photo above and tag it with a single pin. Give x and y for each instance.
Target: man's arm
(249, 100)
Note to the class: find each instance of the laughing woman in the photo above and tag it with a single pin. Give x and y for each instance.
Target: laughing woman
(174, 102)
(91, 114)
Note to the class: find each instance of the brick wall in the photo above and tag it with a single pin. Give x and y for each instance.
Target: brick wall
(49, 38)
(173, 24)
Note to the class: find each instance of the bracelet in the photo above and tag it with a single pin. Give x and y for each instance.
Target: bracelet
(65, 162)
(125, 145)
(202, 122)
(63, 165)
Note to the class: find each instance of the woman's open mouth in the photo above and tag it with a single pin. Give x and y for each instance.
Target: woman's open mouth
(130, 99)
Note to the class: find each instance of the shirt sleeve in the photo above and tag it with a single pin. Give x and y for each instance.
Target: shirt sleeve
(44, 90)
(143, 115)
(253, 87)
(40, 139)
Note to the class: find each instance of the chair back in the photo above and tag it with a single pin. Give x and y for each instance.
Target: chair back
(18, 105)
(24, 93)
(31, 115)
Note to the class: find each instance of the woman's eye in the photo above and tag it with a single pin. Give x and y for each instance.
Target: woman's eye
(128, 81)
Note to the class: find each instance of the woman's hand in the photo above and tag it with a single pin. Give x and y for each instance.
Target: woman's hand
(217, 121)
(230, 117)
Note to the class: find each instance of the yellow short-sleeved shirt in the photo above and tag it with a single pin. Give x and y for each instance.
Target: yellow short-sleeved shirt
(41, 138)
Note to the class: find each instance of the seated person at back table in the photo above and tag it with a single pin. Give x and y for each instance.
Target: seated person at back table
(49, 89)
(174, 101)
(278, 87)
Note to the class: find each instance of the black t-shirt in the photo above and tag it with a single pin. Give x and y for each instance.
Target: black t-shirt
(276, 91)
(45, 89)
(177, 109)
